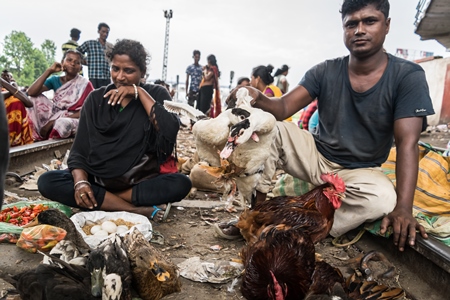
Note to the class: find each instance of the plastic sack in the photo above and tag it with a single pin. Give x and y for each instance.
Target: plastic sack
(40, 237)
(85, 218)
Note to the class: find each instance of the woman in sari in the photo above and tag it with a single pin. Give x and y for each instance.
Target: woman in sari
(15, 101)
(209, 83)
(58, 118)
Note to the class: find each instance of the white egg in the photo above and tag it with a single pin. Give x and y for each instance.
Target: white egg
(122, 228)
(95, 228)
(109, 226)
(101, 233)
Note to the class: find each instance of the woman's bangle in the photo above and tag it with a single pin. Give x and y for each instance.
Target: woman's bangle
(80, 182)
(135, 92)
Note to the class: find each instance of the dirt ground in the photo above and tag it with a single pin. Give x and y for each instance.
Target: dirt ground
(188, 232)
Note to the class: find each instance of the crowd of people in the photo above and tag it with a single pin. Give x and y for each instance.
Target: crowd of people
(123, 156)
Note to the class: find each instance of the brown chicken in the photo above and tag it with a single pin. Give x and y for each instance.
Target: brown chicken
(279, 265)
(313, 211)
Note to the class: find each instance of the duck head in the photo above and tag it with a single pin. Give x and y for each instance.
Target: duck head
(96, 265)
(146, 260)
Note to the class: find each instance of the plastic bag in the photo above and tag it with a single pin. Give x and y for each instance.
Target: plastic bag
(40, 237)
(84, 218)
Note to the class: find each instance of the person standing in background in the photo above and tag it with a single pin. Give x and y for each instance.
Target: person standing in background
(195, 72)
(73, 42)
(97, 61)
(280, 79)
(210, 82)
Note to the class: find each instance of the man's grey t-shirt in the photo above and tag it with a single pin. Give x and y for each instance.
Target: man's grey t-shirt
(356, 129)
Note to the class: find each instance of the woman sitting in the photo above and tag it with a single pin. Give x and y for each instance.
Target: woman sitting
(59, 118)
(124, 145)
(262, 80)
(15, 102)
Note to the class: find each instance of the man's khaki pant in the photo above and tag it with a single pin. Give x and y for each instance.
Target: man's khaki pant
(369, 193)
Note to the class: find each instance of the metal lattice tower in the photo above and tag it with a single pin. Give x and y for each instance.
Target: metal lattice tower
(168, 15)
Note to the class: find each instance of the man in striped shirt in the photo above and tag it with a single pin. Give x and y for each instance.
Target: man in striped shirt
(72, 43)
(96, 60)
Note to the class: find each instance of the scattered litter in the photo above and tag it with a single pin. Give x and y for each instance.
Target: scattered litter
(176, 246)
(215, 247)
(180, 208)
(230, 288)
(341, 255)
(157, 238)
(218, 271)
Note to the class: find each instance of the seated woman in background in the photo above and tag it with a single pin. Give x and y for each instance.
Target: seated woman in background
(262, 80)
(59, 118)
(19, 127)
(121, 158)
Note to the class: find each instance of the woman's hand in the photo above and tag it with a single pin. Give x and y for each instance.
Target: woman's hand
(55, 67)
(84, 196)
(116, 96)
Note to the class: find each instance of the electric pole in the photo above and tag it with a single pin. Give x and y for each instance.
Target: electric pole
(168, 15)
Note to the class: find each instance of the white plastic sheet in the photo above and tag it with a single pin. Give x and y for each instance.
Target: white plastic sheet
(79, 219)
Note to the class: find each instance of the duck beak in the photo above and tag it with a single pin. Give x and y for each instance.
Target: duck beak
(34, 222)
(96, 282)
(160, 273)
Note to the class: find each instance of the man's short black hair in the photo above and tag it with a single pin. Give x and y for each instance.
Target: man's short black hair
(350, 6)
(75, 33)
(196, 52)
(102, 25)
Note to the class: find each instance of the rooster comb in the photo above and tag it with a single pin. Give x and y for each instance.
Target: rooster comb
(335, 180)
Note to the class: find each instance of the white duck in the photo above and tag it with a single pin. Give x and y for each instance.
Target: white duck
(244, 134)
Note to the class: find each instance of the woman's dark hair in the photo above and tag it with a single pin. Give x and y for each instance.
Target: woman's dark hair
(73, 51)
(264, 73)
(283, 69)
(135, 50)
(351, 6)
(196, 52)
(242, 79)
(212, 60)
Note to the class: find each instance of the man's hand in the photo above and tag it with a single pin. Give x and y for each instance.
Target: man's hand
(404, 226)
(254, 93)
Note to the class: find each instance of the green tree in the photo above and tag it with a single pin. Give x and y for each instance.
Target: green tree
(17, 48)
(48, 48)
(23, 60)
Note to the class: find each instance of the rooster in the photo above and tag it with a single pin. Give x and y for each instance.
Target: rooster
(313, 211)
(281, 265)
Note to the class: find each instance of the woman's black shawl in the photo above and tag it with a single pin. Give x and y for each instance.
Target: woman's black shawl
(108, 143)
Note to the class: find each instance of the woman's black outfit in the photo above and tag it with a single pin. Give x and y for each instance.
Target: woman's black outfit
(121, 149)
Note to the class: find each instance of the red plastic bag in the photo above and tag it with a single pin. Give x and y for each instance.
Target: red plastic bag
(40, 237)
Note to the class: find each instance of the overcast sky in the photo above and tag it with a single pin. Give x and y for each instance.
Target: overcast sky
(241, 33)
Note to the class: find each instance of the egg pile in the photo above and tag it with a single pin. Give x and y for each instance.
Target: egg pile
(106, 228)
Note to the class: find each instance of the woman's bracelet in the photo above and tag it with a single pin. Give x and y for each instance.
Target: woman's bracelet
(135, 92)
(80, 182)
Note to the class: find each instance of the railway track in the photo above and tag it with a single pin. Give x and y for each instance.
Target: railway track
(425, 268)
